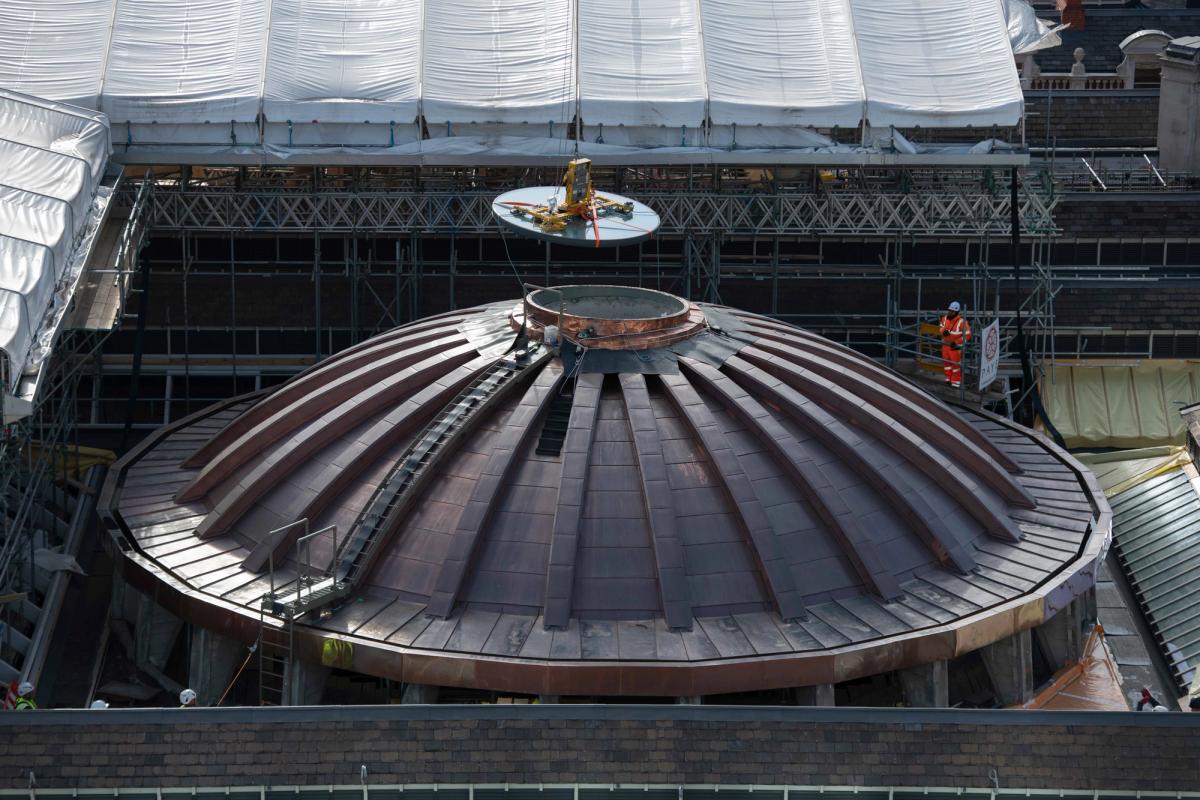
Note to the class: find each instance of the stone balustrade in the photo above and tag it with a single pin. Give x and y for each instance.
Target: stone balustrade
(1139, 69)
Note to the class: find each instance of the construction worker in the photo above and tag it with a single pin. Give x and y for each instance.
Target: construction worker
(956, 332)
(1149, 702)
(24, 701)
(187, 699)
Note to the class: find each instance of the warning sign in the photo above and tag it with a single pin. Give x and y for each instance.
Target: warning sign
(989, 355)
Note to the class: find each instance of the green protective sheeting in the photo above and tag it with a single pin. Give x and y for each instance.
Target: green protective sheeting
(1121, 405)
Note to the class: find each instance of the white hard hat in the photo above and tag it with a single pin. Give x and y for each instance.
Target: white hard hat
(1161, 708)
(187, 697)
(25, 688)
(956, 306)
(98, 704)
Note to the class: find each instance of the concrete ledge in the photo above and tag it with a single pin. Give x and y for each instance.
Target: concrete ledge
(139, 718)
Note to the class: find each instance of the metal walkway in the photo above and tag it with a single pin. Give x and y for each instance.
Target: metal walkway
(403, 484)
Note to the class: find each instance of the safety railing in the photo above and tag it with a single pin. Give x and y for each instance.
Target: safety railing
(312, 581)
(1101, 342)
(1097, 171)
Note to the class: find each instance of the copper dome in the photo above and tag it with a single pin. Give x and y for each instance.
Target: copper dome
(684, 489)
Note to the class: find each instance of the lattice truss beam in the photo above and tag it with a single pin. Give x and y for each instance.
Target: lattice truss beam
(918, 213)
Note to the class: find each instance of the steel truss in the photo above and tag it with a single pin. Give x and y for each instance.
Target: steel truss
(921, 212)
(399, 229)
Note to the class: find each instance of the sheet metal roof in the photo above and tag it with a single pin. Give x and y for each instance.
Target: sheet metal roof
(1156, 536)
(794, 502)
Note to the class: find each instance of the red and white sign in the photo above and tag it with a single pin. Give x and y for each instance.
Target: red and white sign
(989, 355)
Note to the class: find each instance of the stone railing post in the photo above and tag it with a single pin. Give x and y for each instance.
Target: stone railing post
(1078, 70)
(1029, 70)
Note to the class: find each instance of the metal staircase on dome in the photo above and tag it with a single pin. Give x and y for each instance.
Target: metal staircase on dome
(357, 551)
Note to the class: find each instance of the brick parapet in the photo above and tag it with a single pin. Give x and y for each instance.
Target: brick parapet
(592, 744)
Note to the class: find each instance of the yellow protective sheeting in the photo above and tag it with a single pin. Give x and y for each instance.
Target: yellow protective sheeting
(1122, 470)
(1097, 404)
(72, 462)
(337, 653)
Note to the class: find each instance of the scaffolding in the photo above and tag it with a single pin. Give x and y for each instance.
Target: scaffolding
(41, 463)
(987, 293)
(401, 243)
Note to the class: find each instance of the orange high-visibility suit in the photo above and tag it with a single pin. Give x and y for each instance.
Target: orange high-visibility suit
(955, 334)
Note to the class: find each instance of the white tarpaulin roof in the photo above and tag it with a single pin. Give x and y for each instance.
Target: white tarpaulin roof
(208, 71)
(51, 160)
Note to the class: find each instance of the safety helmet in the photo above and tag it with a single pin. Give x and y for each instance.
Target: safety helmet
(98, 705)
(187, 697)
(956, 306)
(26, 688)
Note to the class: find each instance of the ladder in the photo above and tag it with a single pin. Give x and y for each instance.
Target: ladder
(312, 587)
(274, 659)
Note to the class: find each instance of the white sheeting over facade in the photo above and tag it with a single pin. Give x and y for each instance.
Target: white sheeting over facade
(782, 63)
(193, 61)
(203, 71)
(51, 160)
(343, 61)
(641, 62)
(54, 48)
(506, 61)
(934, 63)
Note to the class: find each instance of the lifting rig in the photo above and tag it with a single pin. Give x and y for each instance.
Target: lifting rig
(580, 202)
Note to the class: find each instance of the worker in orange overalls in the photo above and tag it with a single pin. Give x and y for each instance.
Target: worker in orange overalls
(956, 332)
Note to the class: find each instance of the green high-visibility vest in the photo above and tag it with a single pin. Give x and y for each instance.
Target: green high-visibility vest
(25, 704)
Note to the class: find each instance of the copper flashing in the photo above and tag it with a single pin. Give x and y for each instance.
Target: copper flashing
(317, 380)
(610, 317)
(801, 340)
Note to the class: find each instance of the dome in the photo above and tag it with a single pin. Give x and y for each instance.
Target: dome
(679, 499)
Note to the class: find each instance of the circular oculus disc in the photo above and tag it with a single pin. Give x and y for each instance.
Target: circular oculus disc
(615, 227)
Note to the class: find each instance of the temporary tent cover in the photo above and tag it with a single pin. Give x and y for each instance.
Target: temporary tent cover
(264, 71)
(52, 157)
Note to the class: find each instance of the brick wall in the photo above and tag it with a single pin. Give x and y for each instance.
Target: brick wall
(1129, 308)
(1085, 119)
(1128, 217)
(566, 744)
